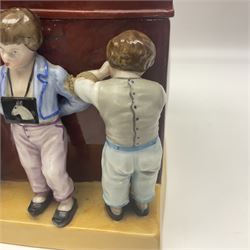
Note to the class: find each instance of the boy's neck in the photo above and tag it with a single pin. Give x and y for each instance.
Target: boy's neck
(116, 73)
(25, 69)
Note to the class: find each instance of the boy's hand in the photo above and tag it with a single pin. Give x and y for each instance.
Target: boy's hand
(104, 71)
(101, 73)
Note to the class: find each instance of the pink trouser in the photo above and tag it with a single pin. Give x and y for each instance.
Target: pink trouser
(42, 150)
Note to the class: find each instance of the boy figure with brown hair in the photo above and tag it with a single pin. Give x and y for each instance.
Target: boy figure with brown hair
(130, 107)
(41, 144)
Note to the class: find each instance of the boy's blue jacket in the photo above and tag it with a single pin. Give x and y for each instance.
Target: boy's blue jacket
(48, 83)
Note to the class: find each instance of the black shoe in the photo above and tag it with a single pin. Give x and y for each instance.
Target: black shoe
(138, 211)
(36, 208)
(112, 215)
(63, 218)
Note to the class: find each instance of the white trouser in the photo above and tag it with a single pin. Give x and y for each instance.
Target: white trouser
(125, 173)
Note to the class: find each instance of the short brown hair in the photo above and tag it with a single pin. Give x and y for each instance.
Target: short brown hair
(131, 50)
(20, 25)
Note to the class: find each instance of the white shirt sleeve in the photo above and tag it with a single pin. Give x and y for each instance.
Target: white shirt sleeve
(87, 90)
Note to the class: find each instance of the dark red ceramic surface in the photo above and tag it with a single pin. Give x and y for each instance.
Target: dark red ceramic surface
(77, 42)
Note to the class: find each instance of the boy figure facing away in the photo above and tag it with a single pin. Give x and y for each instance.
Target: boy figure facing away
(130, 107)
(41, 146)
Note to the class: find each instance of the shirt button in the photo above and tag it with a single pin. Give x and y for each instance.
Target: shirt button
(135, 106)
(137, 118)
(133, 93)
(137, 128)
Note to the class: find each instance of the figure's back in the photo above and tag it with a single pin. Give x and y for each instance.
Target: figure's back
(131, 109)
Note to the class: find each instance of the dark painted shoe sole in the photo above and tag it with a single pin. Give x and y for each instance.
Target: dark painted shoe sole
(46, 203)
(138, 211)
(69, 218)
(113, 216)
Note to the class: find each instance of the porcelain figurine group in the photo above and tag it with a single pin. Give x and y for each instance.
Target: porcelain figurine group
(129, 105)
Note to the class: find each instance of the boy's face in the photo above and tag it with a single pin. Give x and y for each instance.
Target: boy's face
(16, 56)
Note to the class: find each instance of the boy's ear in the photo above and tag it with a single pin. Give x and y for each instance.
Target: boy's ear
(29, 43)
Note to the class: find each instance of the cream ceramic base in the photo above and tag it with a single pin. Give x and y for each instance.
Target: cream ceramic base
(91, 228)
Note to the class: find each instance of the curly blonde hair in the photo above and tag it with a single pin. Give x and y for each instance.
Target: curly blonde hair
(131, 50)
(20, 25)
